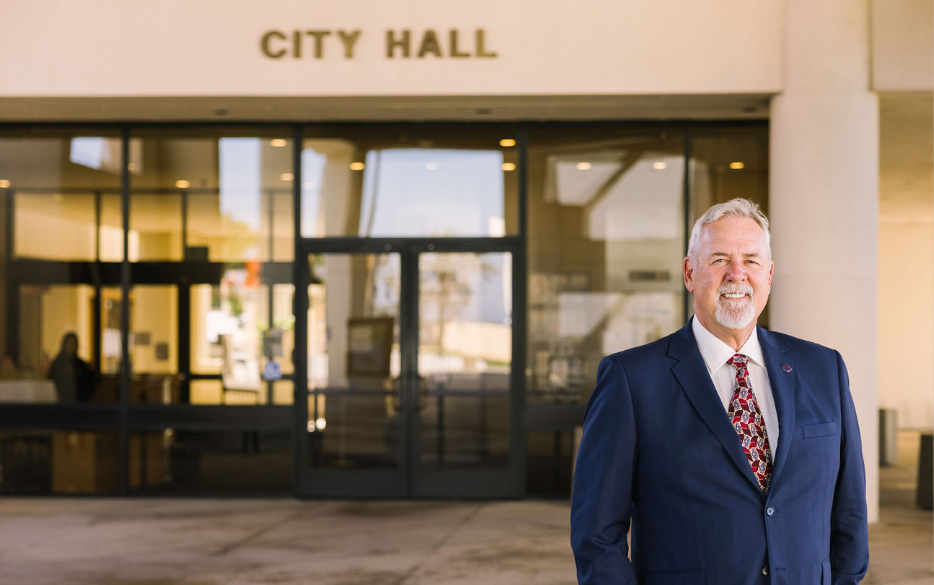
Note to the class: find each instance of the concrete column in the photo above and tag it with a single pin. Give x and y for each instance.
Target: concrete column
(824, 192)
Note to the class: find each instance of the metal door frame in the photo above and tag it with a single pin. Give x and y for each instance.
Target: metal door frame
(408, 480)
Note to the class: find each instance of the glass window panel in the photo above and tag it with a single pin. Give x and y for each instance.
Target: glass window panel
(154, 344)
(193, 461)
(56, 360)
(606, 241)
(54, 176)
(54, 226)
(464, 359)
(155, 226)
(385, 183)
(218, 194)
(727, 163)
(58, 462)
(206, 392)
(549, 463)
(353, 360)
(110, 234)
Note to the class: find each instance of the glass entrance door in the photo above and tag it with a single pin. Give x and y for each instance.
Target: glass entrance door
(409, 361)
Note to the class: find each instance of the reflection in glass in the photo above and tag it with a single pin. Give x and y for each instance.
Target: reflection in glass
(220, 195)
(153, 344)
(243, 331)
(193, 461)
(402, 185)
(464, 359)
(353, 360)
(38, 462)
(56, 176)
(606, 240)
(55, 360)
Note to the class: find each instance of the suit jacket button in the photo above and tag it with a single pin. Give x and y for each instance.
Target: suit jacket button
(770, 510)
(765, 570)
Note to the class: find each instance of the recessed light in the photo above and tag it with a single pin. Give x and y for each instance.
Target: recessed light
(583, 166)
(659, 165)
(5, 184)
(431, 167)
(286, 176)
(509, 166)
(182, 184)
(357, 166)
(321, 424)
(737, 165)
(507, 142)
(278, 142)
(131, 167)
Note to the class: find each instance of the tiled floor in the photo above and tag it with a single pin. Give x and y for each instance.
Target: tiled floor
(212, 542)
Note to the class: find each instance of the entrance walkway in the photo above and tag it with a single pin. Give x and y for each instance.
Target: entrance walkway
(214, 542)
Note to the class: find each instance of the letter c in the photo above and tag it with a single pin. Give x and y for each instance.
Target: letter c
(264, 44)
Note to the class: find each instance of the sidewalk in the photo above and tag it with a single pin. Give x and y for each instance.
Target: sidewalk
(214, 542)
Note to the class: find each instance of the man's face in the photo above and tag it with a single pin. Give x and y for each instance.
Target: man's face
(733, 275)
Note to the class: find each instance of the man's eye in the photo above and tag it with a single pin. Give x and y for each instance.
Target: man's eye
(719, 261)
(755, 262)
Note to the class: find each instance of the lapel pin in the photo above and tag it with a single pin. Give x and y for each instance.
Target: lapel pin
(787, 367)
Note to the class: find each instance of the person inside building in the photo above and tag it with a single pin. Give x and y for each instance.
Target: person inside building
(75, 380)
(732, 452)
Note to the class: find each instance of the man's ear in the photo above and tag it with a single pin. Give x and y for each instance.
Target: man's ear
(688, 274)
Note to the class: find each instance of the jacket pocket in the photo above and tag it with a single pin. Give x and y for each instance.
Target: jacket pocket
(825, 572)
(819, 429)
(690, 577)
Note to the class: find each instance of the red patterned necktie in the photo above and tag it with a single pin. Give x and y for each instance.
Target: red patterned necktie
(747, 421)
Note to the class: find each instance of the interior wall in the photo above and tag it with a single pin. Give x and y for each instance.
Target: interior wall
(906, 257)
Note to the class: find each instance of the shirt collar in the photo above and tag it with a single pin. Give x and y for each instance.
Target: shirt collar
(715, 352)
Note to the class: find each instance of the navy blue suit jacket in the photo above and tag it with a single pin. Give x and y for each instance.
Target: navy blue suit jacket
(658, 448)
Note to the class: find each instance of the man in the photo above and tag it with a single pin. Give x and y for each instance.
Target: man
(733, 450)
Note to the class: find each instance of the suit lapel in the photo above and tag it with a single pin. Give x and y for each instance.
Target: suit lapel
(691, 373)
(783, 391)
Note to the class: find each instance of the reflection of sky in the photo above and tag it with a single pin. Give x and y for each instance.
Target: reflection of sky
(240, 162)
(431, 192)
(313, 163)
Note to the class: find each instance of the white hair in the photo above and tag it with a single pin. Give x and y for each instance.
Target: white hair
(734, 208)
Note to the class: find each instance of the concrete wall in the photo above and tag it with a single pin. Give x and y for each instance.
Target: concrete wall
(213, 48)
(902, 45)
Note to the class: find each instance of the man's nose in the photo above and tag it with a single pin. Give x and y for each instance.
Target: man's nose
(737, 270)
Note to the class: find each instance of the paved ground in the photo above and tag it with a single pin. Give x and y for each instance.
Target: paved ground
(213, 542)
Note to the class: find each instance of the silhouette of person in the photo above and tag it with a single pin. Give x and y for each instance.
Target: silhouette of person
(74, 378)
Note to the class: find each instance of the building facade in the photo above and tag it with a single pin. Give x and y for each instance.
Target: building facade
(377, 250)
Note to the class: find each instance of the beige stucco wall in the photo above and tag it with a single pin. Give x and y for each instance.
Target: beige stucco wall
(212, 48)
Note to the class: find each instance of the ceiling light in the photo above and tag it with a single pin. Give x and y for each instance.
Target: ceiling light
(5, 184)
(507, 142)
(509, 166)
(659, 165)
(278, 142)
(131, 167)
(321, 424)
(286, 176)
(583, 166)
(737, 165)
(182, 184)
(431, 167)
(357, 166)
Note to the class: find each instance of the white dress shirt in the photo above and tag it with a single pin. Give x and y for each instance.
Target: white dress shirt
(716, 353)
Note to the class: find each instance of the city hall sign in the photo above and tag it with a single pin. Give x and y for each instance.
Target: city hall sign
(399, 44)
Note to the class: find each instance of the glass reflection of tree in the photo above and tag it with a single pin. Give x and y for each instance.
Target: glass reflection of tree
(447, 285)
